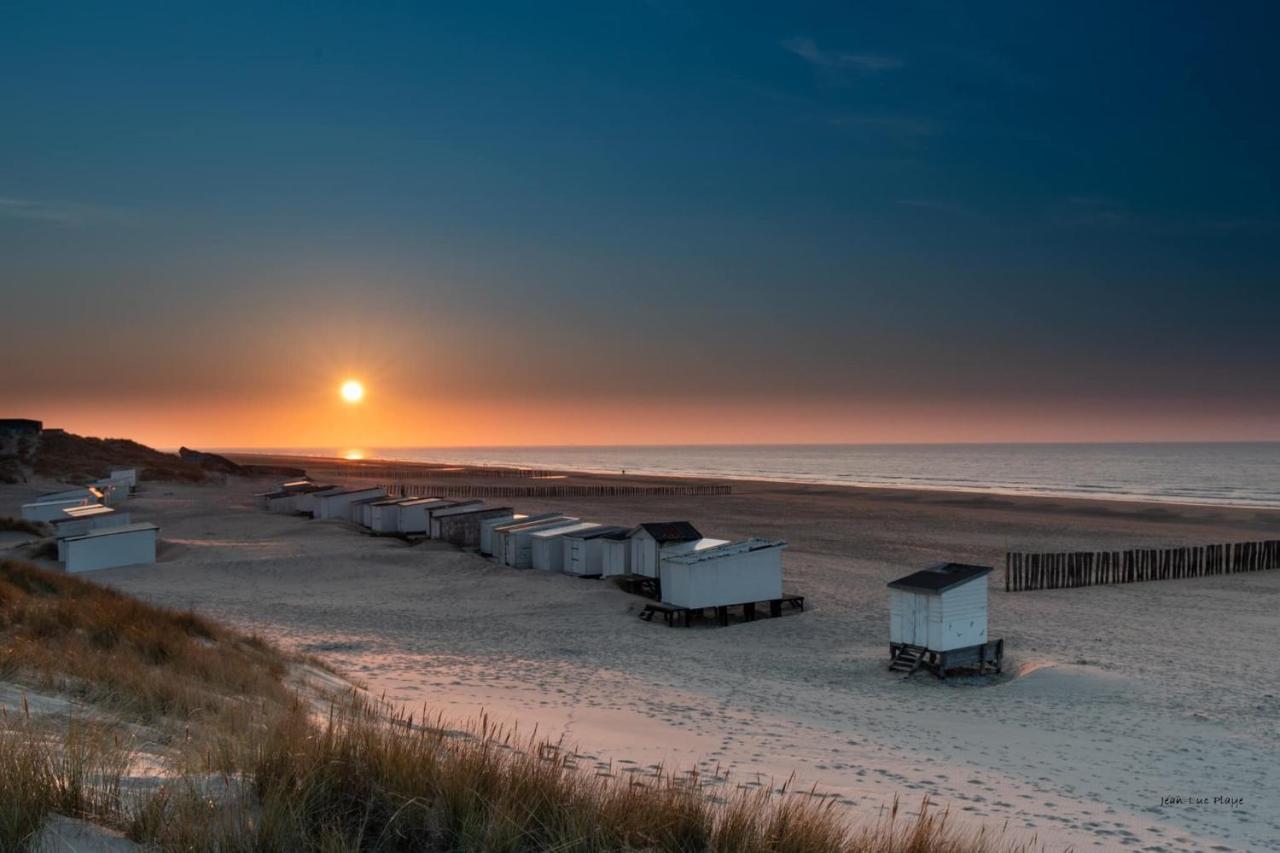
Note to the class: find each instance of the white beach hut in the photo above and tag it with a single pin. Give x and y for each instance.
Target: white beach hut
(384, 516)
(460, 525)
(651, 540)
(415, 515)
(941, 608)
(305, 502)
(81, 519)
(517, 551)
(127, 545)
(84, 519)
(338, 504)
(723, 574)
(615, 554)
(435, 513)
(546, 547)
(128, 475)
(488, 525)
(85, 494)
(938, 619)
(291, 487)
(113, 491)
(584, 550)
(46, 511)
(360, 513)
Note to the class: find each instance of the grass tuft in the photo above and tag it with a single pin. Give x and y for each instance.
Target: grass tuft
(21, 525)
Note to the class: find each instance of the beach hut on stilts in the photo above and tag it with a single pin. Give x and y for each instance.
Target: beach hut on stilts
(938, 621)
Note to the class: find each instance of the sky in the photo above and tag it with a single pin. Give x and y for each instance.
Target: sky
(661, 222)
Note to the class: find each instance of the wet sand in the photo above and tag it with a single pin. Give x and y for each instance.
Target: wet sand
(1113, 697)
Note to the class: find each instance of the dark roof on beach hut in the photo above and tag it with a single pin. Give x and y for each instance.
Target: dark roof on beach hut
(671, 531)
(940, 578)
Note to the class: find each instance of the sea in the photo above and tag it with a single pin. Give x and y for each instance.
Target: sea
(1225, 474)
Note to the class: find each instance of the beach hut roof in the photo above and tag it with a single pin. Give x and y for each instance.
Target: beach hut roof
(74, 512)
(50, 497)
(725, 549)
(339, 494)
(670, 531)
(114, 531)
(564, 529)
(940, 578)
(611, 531)
(466, 509)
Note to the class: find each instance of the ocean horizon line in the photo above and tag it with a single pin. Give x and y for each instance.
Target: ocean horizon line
(1238, 474)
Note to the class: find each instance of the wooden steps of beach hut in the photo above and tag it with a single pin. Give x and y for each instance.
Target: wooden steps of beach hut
(907, 659)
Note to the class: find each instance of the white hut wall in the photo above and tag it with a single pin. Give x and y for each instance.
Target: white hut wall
(615, 558)
(732, 579)
(962, 617)
(105, 552)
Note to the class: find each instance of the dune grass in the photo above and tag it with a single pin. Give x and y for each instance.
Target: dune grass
(266, 772)
(76, 770)
(21, 525)
(61, 633)
(80, 459)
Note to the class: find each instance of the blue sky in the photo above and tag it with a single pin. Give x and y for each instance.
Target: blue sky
(1014, 203)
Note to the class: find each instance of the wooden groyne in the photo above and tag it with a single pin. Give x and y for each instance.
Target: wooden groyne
(1091, 568)
(470, 490)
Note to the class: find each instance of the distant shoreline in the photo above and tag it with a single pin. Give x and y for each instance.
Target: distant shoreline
(871, 490)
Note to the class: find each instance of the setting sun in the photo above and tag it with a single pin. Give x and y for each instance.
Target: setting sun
(352, 391)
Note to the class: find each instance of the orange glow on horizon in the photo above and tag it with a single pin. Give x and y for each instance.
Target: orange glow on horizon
(319, 420)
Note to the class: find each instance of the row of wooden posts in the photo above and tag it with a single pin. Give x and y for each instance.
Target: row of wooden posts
(1089, 568)
(467, 490)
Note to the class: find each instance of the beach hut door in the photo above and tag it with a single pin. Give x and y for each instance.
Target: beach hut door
(922, 620)
(917, 627)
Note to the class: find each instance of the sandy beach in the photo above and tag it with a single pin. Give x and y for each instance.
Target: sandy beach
(1113, 698)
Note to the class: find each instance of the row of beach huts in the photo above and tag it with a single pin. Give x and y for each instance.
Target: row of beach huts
(91, 528)
(671, 560)
(937, 616)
